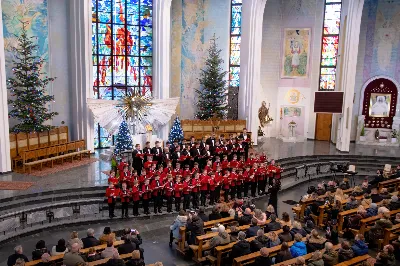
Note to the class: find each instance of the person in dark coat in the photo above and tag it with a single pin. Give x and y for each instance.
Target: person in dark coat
(244, 219)
(273, 225)
(263, 259)
(345, 251)
(284, 254)
(273, 194)
(252, 231)
(195, 227)
(394, 203)
(214, 215)
(90, 240)
(137, 157)
(93, 255)
(127, 247)
(375, 197)
(285, 236)
(202, 214)
(241, 248)
(359, 247)
(40, 249)
(297, 229)
(136, 260)
(18, 254)
(261, 241)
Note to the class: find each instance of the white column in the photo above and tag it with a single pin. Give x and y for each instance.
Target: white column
(349, 52)
(81, 70)
(162, 53)
(5, 159)
(250, 62)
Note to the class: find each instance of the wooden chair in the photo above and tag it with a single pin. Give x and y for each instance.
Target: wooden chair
(391, 234)
(388, 183)
(15, 158)
(355, 261)
(71, 147)
(63, 134)
(28, 155)
(44, 139)
(33, 140)
(53, 137)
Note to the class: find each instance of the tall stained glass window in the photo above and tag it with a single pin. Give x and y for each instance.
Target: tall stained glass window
(234, 57)
(330, 45)
(122, 49)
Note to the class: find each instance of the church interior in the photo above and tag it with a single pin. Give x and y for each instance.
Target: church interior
(199, 132)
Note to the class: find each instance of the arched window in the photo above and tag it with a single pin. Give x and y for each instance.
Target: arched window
(122, 49)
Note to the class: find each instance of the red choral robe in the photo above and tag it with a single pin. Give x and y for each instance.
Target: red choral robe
(135, 193)
(146, 193)
(124, 195)
(169, 187)
(111, 194)
(178, 190)
(113, 180)
(156, 188)
(204, 182)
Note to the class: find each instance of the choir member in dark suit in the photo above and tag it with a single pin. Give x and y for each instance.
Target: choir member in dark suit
(146, 150)
(176, 155)
(212, 142)
(157, 152)
(246, 142)
(221, 140)
(167, 156)
(192, 142)
(137, 156)
(203, 143)
(195, 152)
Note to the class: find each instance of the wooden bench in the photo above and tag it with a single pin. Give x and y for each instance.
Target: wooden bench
(388, 183)
(125, 257)
(370, 220)
(250, 258)
(306, 257)
(228, 248)
(391, 234)
(207, 225)
(354, 261)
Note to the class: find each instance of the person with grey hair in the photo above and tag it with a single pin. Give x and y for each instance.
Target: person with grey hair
(74, 239)
(242, 247)
(90, 240)
(259, 242)
(222, 238)
(128, 246)
(73, 257)
(394, 203)
(330, 256)
(273, 225)
(18, 254)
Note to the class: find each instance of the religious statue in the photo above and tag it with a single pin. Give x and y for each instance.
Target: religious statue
(292, 126)
(263, 114)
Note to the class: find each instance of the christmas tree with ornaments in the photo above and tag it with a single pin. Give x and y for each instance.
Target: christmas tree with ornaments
(28, 87)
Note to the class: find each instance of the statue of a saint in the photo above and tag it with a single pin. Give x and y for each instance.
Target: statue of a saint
(263, 114)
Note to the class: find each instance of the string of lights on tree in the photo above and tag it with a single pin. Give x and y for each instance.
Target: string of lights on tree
(28, 88)
(176, 132)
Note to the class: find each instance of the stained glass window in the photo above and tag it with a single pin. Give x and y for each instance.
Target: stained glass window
(330, 45)
(234, 57)
(122, 48)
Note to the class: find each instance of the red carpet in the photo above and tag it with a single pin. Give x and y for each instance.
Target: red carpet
(15, 185)
(61, 167)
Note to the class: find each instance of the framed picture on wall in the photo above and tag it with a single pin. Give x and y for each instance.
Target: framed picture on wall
(296, 52)
(379, 105)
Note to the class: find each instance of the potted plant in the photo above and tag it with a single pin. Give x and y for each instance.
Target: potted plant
(362, 134)
(394, 136)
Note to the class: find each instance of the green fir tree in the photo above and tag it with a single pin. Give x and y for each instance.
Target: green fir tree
(176, 132)
(213, 93)
(124, 140)
(28, 88)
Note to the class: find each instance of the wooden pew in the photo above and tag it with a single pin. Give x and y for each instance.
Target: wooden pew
(250, 258)
(207, 225)
(368, 221)
(125, 257)
(306, 257)
(391, 234)
(354, 261)
(228, 248)
(388, 183)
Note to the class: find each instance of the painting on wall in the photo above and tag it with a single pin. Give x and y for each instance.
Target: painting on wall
(379, 105)
(291, 111)
(296, 45)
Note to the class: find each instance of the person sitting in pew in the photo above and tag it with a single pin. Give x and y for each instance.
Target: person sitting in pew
(202, 214)
(345, 251)
(386, 257)
(385, 193)
(260, 216)
(234, 232)
(297, 229)
(269, 211)
(285, 236)
(252, 231)
(273, 225)
(345, 184)
(241, 248)
(214, 215)
(18, 254)
(243, 218)
(377, 231)
(285, 220)
(320, 189)
(375, 197)
(396, 219)
(352, 203)
(354, 221)
(128, 247)
(136, 259)
(273, 239)
(366, 201)
(300, 261)
(221, 239)
(195, 226)
(315, 241)
(93, 255)
(372, 210)
(263, 259)
(90, 240)
(298, 248)
(359, 247)
(394, 203)
(330, 256)
(283, 254)
(316, 259)
(339, 195)
(261, 241)
(357, 191)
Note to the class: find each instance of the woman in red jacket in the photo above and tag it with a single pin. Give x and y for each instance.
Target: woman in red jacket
(135, 197)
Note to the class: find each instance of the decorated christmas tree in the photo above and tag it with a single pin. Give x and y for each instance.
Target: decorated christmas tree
(28, 87)
(124, 140)
(176, 132)
(212, 93)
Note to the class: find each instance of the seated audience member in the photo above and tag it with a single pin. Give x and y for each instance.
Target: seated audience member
(244, 218)
(320, 190)
(354, 221)
(385, 193)
(330, 255)
(273, 239)
(315, 241)
(18, 254)
(128, 246)
(284, 254)
(316, 259)
(72, 257)
(314, 208)
(46, 260)
(60, 248)
(107, 236)
(372, 210)
(396, 219)
(285, 220)
(357, 191)
(297, 229)
(135, 236)
(214, 215)
(19, 262)
(240, 248)
(93, 255)
(270, 210)
(40, 249)
(352, 203)
(261, 241)
(263, 259)
(365, 186)
(377, 231)
(202, 214)
(345, 251)
(273, 225)
(74, 239)
(298, 248)
(386, 257)
(366, 201)
(359, 247)
(115, 260)
(90, 240)
(222, 238)
(331, 186)
(180, 220)
(252, 231)
(136, 260)
(109, 251)
(382, 210)
(285, 236)
(300, 261)
(375, 197)
(345, 184)
(394, 203)
(260, 216)
(195, 226)
(224, 210)
(234, 232)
